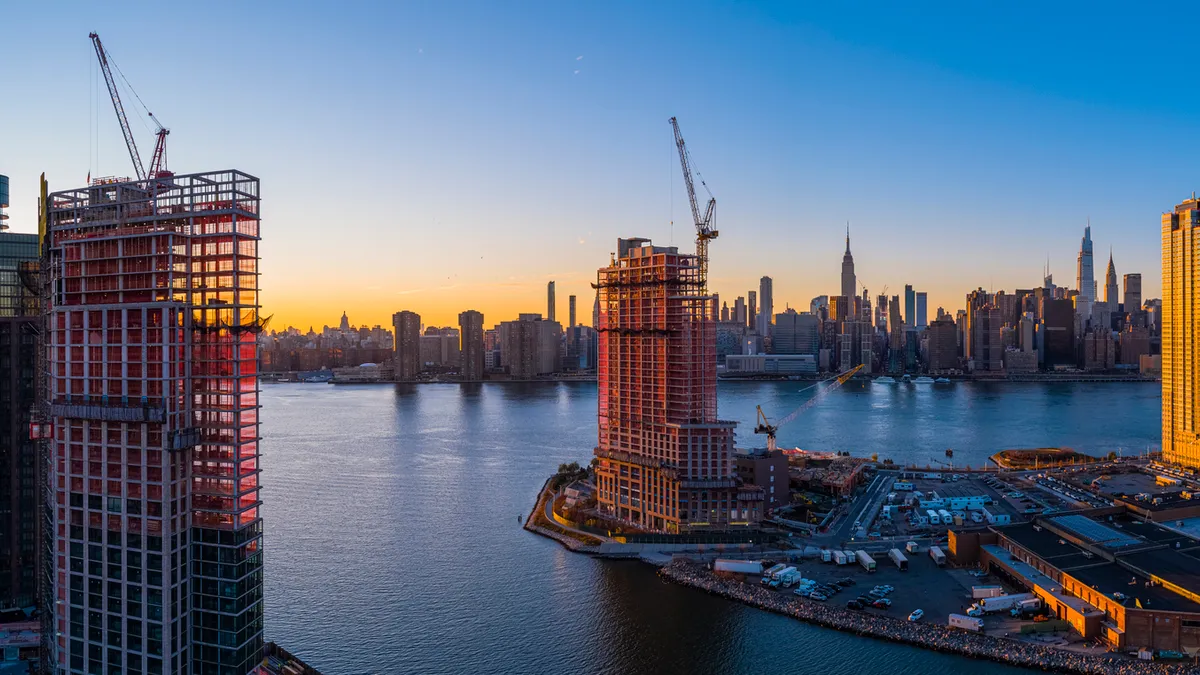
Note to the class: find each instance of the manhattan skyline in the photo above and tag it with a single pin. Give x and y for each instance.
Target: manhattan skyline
(461, 158)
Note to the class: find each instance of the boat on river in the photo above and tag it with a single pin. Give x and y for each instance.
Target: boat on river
(885, 379)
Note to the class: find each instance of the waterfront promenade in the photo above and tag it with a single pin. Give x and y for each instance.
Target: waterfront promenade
(927, 635)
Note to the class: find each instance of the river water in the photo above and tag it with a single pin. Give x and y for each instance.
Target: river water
(392, 541)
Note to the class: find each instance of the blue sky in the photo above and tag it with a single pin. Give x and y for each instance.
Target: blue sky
(445, 156)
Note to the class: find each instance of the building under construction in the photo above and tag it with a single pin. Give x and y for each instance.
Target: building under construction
(665, 460)
(151, 294)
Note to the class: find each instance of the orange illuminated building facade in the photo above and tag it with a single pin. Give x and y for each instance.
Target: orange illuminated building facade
(665, 460)
(153, 386)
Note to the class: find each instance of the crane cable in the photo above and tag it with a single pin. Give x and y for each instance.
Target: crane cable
(133, 91)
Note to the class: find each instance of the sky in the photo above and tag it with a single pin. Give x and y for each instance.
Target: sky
(445, 156)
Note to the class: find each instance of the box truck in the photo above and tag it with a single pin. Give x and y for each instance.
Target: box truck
(899, 558)
(769, 573)
(865, 559)
(1003, 603)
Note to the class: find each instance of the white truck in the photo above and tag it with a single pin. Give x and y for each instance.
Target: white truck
(911, 547)
(770, 573)
(1003, 603)
(737, 566)
(839, 558)
(899, 558)
(980, 592)
(939, 558)
(1026, 606)
(865, 559)
(970, 623)
(826, 555)
(934, 518)
(789, 577)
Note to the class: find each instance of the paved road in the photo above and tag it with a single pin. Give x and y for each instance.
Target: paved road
(844, 529)
(549, 512)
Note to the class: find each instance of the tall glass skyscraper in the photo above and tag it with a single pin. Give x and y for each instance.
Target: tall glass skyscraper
(1085, 277)
(20, 470)
(1181, 334)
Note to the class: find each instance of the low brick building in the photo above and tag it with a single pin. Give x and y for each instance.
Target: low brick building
(1114, 577)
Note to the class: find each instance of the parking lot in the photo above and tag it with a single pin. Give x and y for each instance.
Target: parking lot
(938, 591)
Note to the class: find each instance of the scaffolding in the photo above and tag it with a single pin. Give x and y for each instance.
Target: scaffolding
(152, 312)
(665, 458)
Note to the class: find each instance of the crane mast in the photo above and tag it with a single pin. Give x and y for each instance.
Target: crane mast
(704, 222)
(102, 56)
(158, 163)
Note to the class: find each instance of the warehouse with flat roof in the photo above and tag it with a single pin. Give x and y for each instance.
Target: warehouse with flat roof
(1132, 583)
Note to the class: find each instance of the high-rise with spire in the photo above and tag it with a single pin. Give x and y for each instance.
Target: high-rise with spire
(1111, 294)
(849, 285)
(1085, 277)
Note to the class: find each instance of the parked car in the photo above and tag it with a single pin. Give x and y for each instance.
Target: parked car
(854, 604)
(882, 603)
(818, 597)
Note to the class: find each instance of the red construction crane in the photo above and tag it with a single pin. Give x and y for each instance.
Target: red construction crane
(704, 223)
(158, 161)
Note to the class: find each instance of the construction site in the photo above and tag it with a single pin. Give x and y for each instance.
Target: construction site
(147, 417)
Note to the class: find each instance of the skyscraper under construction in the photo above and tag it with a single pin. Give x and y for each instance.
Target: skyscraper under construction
(665, 459)
(152, 313)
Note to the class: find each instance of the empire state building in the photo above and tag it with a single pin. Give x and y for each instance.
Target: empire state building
(849, 287)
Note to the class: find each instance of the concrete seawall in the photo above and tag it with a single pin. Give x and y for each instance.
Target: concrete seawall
(926, 635)
(531, 525)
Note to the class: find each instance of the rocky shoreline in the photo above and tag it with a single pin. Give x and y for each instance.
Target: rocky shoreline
(926, 635)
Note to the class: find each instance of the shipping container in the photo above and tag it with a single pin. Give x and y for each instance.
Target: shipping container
(937, 555)
(738, 566)
(978, 592)
(970, 623)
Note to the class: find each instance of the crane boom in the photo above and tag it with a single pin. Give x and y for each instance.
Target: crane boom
(704, 223)
(102, 56)
(765, 427)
